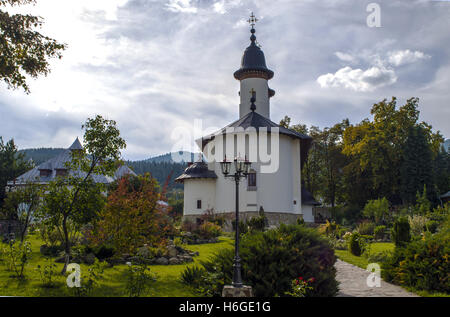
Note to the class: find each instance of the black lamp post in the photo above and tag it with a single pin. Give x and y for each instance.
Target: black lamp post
(242, 168)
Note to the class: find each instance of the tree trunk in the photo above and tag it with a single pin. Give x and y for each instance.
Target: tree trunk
(67, 245)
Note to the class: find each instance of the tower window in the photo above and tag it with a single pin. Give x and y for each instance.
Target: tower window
(199, 204)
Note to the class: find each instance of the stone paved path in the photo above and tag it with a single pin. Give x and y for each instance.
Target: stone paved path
(353, 283)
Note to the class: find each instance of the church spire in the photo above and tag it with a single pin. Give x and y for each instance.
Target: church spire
(253, 63)
(254, 76)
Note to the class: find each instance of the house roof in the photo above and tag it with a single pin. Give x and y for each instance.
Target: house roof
(59, 163)
(196, 170)
(446, 195)
(308, 199)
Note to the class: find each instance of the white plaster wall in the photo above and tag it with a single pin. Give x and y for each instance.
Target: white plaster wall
(262, 103)
(307, 212)
(275, 191)
(199, 188)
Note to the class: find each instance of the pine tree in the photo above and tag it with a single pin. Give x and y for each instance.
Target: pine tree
(417, 167)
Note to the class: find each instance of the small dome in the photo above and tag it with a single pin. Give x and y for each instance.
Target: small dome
(253, 60)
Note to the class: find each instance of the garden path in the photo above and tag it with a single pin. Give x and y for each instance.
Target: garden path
(353, 283)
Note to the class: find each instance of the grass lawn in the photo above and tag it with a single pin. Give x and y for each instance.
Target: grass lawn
(113, 283)
(361, 261)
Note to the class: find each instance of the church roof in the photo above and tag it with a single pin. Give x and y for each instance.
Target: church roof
(253, 60)
(257, 121)
(59, 163)
(308, 199)
(196, 170)
(76, 145)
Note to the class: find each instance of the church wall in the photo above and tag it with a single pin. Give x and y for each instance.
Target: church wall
(199, 189)
(275, 189)
(296, 181)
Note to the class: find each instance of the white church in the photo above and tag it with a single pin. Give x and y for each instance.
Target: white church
(276, 154)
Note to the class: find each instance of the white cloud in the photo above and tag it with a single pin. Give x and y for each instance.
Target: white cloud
(358, 79)
(183, 6)
(219, 7)
(345, 57)
(399, 58)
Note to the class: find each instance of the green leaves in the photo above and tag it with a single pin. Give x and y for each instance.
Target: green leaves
(24, 51)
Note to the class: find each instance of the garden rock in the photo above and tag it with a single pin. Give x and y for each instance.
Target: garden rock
(174, 260)
(162, 261)
(89, 259)
(144, 252)
(172, 251)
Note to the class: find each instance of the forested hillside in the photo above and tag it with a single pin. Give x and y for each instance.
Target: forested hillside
(41, 155)
(161, 171)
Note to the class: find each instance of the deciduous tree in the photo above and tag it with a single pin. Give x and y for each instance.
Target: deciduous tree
(23, 50)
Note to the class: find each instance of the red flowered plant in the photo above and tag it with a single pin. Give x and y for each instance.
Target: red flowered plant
(300, 286)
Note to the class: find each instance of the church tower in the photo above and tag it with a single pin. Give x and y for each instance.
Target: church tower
(254, 77)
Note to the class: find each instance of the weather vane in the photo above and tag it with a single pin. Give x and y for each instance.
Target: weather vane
(252, 21)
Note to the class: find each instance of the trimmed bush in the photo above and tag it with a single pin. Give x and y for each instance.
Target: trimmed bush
(272, 259)
(356, 244)
(378, 232)
(422, 264)
(432, 226)
(257, 223)
(208, 230)
(366, 228)
(104, 252)
(401, 232)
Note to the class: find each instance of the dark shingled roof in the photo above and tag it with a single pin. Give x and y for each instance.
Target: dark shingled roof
(308, 199)
(446, 195)
(76, 145)
(196, 170)
(253, 60)
(254, 119)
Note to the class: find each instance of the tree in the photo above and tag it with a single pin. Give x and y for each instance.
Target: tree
(416, 170)
(76, 198)
(21, 203)
(133, 217)
(375, 149)
(441, 172)
(24, 51)
(376, 209)
(322, 172)
(12, 164)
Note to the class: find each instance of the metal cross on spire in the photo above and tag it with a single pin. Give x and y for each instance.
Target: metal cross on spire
(252, 21)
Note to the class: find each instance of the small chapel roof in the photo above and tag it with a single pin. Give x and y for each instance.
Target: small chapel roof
(196, 170)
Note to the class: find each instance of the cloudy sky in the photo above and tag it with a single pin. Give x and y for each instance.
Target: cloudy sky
(157, 65)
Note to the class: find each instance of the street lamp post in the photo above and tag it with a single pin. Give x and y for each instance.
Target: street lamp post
(242, 168)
